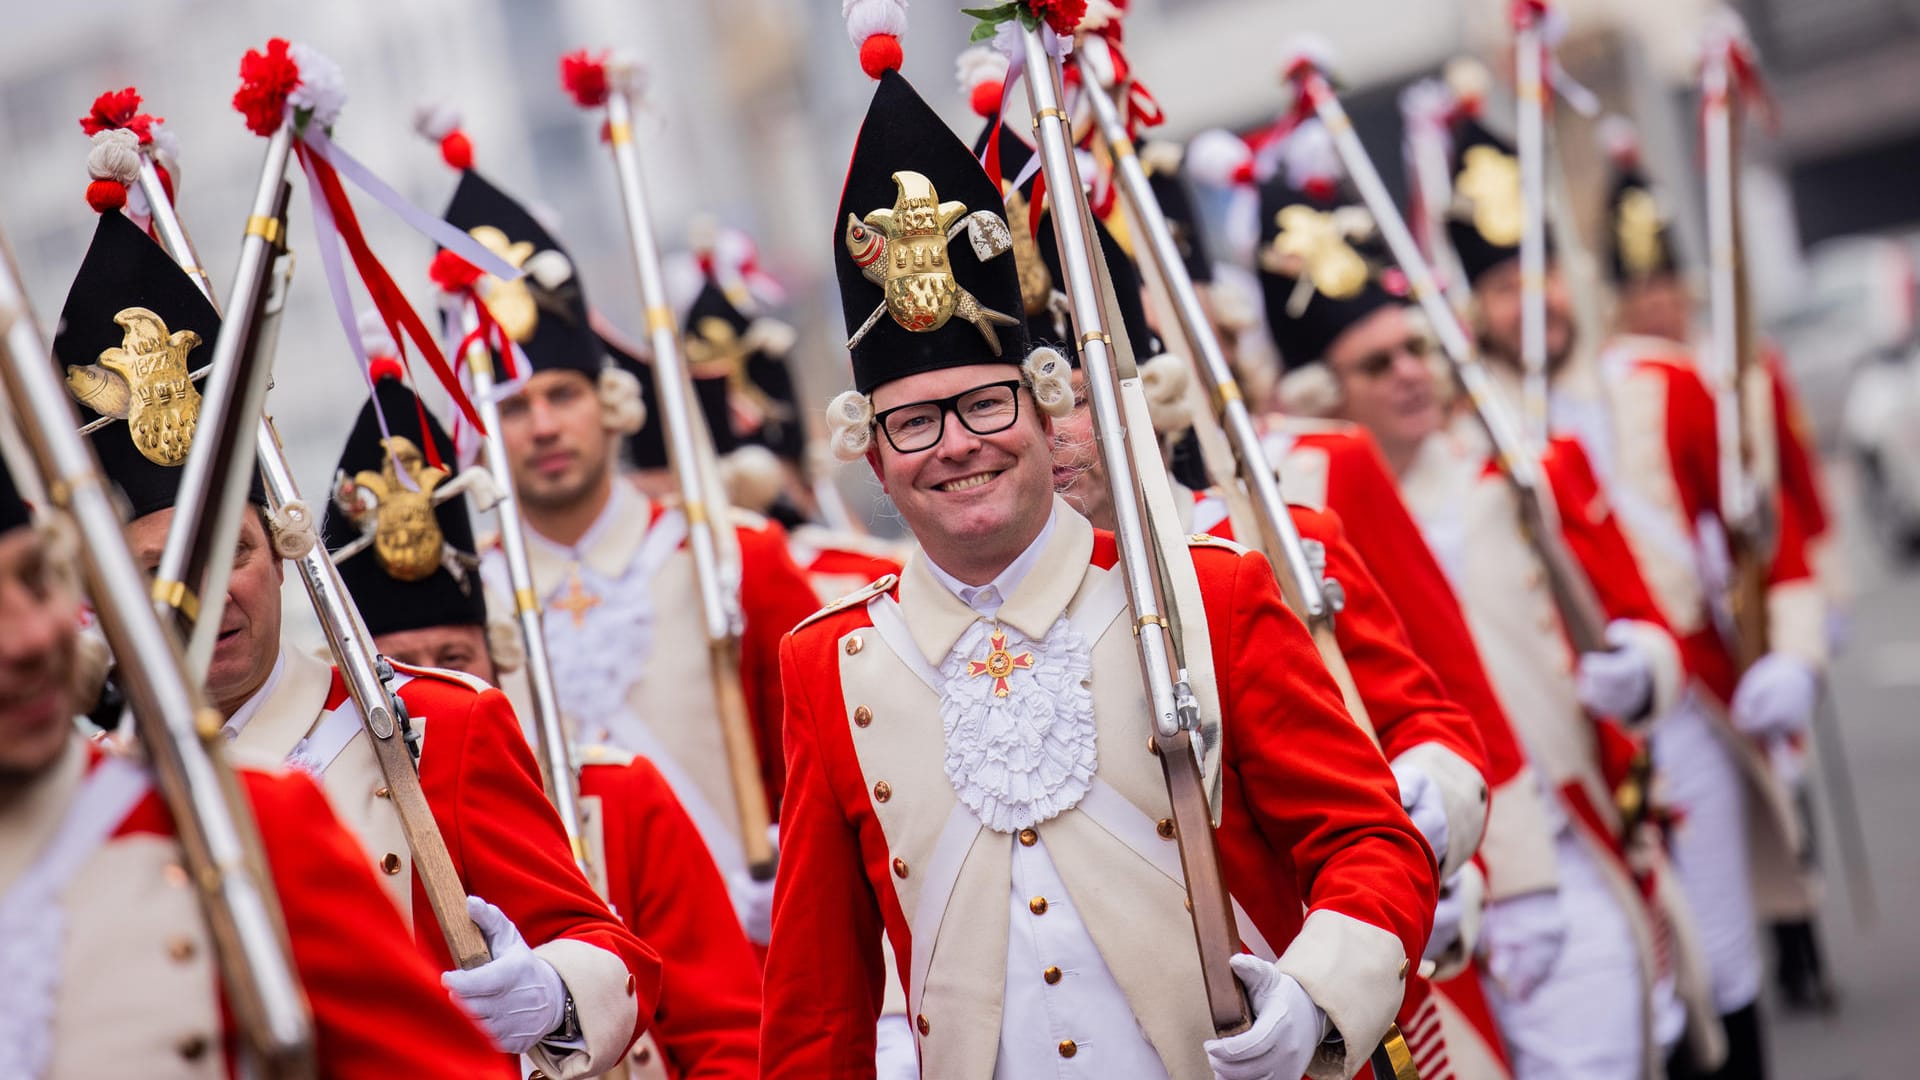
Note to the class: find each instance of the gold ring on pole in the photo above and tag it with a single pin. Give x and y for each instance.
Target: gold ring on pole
(1049, 111)
(1339, 123)
(1091, 336)
(1145, 620)
(177, 596)
(1228, 393)
(1120, 148)
(526, 600)
(696, 513)
(619, 134)
(659, 318)
(266, 228)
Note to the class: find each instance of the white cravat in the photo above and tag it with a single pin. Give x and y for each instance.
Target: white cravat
(1084, 1005)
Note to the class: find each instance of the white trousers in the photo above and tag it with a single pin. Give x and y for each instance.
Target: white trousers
(1701, 779)
(1585, 1021)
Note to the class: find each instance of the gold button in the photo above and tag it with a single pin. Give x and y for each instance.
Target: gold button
(1052, 975)
(1403, 967)
(854, 645)
(1028, 837)
(643, 1055)
(383, 793)
(629, 984)
(536, 1075)
(862, 716)
(390, 863)
(1068, 1048)
(193, 1047)
(882, 791)
(181, 949)
(899, 868)
(1037, 905)
(1164, 827)
(921, 1022)
(1153, 747)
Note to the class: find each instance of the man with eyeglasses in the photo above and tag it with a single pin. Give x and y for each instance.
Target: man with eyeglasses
(967, 761)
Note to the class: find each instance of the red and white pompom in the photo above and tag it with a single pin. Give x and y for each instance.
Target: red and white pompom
(1307, 52)
(982, 73)
(589, 77)
(383, 356)
(1468, 79)
(441, 124)
(323, 87)
(875, 26)
(1620, 139)
(289, 75)
(1311, 160)
(113, 164)
(1219, 158)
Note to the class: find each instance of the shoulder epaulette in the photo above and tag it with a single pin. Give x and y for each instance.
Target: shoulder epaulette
(1210, 540)
(600, 754)
(852, 599)
(472, 682)
(1313, 425)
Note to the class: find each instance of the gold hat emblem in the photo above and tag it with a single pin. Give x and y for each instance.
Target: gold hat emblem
(1489, 184)
(406, 538)
(145, 381)
(510, 302)
(1313, 245)
(1636, 228)
(904, 250)
(1036, 281)
(716, 347)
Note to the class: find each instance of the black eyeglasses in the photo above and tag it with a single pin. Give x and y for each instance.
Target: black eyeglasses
(982, 410)
(1376, 364)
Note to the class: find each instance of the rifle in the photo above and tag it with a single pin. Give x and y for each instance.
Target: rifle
(1303, 587)
(551, 743)
(219, 839)
(1529, 60)
(1740, 387)
(690, 451)
(365, 672)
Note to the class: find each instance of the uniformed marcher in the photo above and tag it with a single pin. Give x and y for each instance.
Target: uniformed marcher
(1017, 853)
(568, 984)
(109, 968)
(610, 563)
(660, 879)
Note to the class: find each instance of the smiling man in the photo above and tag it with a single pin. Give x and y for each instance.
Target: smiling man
(610, 564)
(568, 984)
(968, 765)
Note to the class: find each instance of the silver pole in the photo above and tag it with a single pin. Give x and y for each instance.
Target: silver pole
(1529, 78)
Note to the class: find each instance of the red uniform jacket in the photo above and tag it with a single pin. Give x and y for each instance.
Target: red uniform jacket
(378, 1007)
(1310, 819)
(666, 887)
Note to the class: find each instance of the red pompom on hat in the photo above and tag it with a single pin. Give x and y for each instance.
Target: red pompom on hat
(451, 272)
(982, 73)
(442, 125)
(584, 75)
(875, 27)
(106, 196)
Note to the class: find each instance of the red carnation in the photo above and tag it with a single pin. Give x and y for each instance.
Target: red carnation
(266, 81)
(1063, 16)
(451, 272)
(118, 110)
(584, 74)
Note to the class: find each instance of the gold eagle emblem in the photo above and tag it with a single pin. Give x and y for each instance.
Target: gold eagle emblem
(904, 250)
(406, 538)
(1636, 228)
(145, 381)
(1313, 245)
(1489, 183)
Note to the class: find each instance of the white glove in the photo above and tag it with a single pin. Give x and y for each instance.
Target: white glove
(1521, 938)
(753, 900)
(1457, 912)
(1287, 1025)
(517, 996)
(894, 1057)
(1421, 798)
(1618, 682)
(1775, 698)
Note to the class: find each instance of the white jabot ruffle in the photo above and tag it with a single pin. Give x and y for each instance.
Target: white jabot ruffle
(596, 664)
(1018, 760)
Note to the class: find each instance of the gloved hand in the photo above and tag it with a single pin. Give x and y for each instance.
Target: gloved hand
(894, 1057)
(1618, 682)
(1420, 795)
(517, 997)
(1287, 1025)
(1521, 938)
(1775, 698)
(753, 900)
(1457, 913)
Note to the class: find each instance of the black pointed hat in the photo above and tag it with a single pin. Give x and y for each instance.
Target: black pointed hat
(647, 448)
(1486, 218)
(545, 312)
(919, 245)
(1183, 218)
(13, 509)
(133, 330)
(760, 390)
(421, 568)
(1340, 261)
(1639, 237)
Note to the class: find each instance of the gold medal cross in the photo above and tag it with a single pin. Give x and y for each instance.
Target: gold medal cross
(577, 602)
(1000, 663)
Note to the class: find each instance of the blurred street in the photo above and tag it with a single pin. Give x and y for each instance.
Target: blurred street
(1876, 968)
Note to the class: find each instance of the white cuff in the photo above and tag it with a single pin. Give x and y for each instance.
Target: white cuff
(1797, 621)
(603, 1004)
(1356, 973)
(1662, 654)
(1463, 795)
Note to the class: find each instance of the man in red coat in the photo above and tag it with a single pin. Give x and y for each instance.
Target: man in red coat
(567, 984)
(1016, 852)
(658, 875)
(99, 918)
